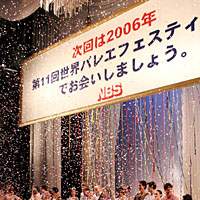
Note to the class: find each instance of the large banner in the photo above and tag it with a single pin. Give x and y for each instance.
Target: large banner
(149, 48)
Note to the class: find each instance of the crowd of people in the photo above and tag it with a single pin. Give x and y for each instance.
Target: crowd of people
(146, 191)
(8, 193)
(149, 191)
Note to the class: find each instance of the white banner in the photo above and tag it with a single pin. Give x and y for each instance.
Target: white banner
(148, 47)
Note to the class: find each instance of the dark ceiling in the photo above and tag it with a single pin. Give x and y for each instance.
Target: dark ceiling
(16, 41)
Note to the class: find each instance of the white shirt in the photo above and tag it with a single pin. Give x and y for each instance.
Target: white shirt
(150, 197)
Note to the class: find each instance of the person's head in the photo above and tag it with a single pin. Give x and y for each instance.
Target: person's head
(102, 197)
(97, 189)
(142, 186)
(11, 189)
(128, 189)
(86, 191)
(44, 188)
(83, 186)
(90, 194)
(158, 194)
(35, 190)
(55, 190)
(73, 192)
(106, 193)
(187, 197)
(151, 187)
(1, 186)
(122, 191)
(168, 187)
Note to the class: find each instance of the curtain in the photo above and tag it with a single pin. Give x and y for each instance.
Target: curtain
(191, 140)
(98, 157)
(155, 138)
(71, 152)
(148, 141)
(46, 153)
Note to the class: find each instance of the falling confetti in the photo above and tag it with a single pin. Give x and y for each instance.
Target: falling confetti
(112, 145)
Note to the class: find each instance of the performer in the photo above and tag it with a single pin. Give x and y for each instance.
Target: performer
(158, 195)
(142, 191)
(151, 190)
(168, 187)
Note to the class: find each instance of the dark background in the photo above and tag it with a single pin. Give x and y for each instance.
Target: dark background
(15, 45)
(19, 40)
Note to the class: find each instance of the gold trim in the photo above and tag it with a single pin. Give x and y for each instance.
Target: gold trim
(119, 100)
(21, 93)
